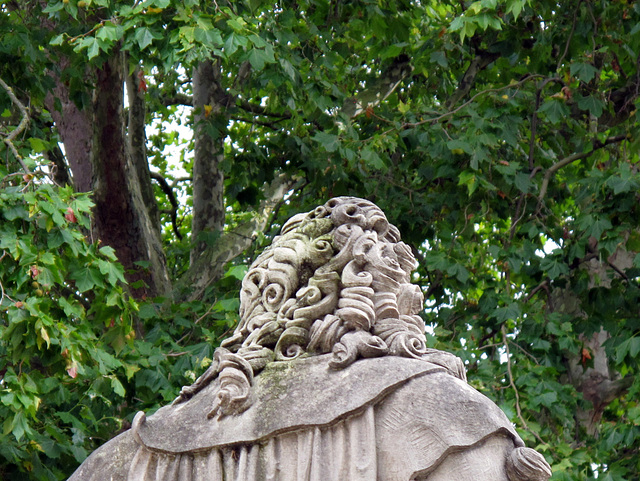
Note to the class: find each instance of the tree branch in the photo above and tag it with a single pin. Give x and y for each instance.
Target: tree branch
(187, 100)
(573, 28)
(178, 99)
(479, 63)
(271, 125)
(208, 267)
(2, 292)
(543, 285)
(572, 158)
(433, 120)
(505, 341)
(534, 117)
(21, 126)
(260, 110)
(166, 188)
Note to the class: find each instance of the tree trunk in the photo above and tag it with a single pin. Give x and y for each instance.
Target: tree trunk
(209, 267)
(598, 382)
(210, 121)
(74, 126)
(121, 217)
(137, 142)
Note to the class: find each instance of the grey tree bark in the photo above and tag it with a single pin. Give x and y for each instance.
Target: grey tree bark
(73, 125)
(210, 124)
(121, 216)
(137, 140)
(598, 382)
(209, 267)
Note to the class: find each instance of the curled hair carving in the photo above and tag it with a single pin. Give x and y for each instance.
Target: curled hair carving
(336, 280)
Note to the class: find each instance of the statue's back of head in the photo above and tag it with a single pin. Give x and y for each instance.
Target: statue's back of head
(327, 376)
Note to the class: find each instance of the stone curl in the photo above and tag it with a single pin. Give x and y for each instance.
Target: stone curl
(336, 280)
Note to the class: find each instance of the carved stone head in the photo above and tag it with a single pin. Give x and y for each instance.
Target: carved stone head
(336, 279)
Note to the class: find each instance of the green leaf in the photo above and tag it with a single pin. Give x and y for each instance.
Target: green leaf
(440, 58)
(629, 347)
(553, 267)
(258, 58)
(53, 7)
(459, 271)
(371, 158)
(458, 145)
(591, 103)
(144, 37)
(522, 182)
(110, 32)
(623, 180)
(634, 347)
(598, 227)
(37, 145)
(147, 311)
(233, 42)
(86, 278)
(117, 386)
(209, 37)
(469, 179)
(514, 7)
(93, 48)
(57, 40)
(237, 272)
(113, 271)
(546, 399)
(555, 110)
(109, 252)
(74, 311)
(584, 71)
(328, 141)
(288, 69)
(510, 312)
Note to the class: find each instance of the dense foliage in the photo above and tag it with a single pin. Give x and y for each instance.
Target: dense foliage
(500, 136)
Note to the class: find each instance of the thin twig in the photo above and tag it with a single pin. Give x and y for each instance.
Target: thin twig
(271, 125)
(449, 113)
(2, 292)
(573, 28)
(543, 285)
(197, 321)
(533, 358)
(483, 92)
(572, 158)
(519, 215)
(83, 35)
(515, 389)
(166, 188)
(618, 271)
(534, 117)
(21, 126)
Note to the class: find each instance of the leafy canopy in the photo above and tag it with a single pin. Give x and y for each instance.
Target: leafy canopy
(499, 136)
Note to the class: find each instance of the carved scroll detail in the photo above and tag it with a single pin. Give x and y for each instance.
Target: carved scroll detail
(337, 279)
(526, 464)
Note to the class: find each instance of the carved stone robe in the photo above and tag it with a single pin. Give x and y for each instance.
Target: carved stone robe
(386, 419)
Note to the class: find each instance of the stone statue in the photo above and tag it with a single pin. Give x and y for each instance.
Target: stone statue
(326, 377)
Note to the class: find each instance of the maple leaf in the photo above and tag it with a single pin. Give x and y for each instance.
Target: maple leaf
(34, 271)
(70, 216)
(586, 355)
(72, 370)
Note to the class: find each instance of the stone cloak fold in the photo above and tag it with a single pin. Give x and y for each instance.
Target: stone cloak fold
(387, 418)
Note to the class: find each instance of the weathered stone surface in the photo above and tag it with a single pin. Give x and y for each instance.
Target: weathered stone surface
(327, 377)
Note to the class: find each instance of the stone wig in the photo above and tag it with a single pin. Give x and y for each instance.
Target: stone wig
(336, 280)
